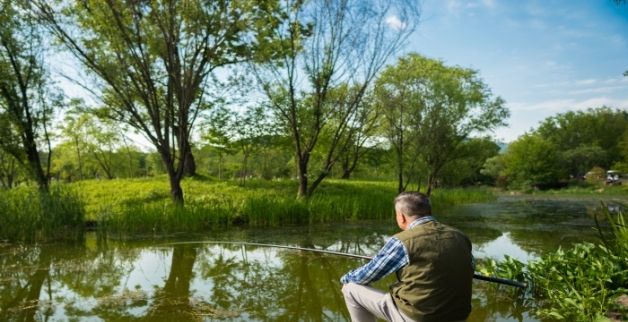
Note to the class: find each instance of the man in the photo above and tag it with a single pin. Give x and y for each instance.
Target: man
(434, 268)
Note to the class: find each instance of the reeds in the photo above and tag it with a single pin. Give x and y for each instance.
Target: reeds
(28, 214)
(144, 205)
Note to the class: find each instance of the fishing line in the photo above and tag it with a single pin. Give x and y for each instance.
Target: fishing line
(331, 252)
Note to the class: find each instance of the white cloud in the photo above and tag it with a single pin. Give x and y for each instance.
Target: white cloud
(489, 3)
(589, 81)
(395, 23)
(569, 104)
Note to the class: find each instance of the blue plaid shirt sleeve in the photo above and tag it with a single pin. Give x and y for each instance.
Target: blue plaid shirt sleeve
(390, 258)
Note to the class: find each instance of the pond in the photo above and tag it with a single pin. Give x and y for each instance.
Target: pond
(210, 277)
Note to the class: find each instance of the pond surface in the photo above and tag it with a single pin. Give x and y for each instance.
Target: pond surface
(208, 278)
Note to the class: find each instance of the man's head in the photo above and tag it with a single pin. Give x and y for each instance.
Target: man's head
(410, 206)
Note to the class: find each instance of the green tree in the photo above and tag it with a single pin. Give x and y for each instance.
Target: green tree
(582, 158)
(251, 128)
(581, 131)
(435, 108)
(329, 43)
(26, 98)
(9, 170)
(622, 164)
(532, 160)
(153, 59)
(494, 168)
(218, 133)
(465, 168)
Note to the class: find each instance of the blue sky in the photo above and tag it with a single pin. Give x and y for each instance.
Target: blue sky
(542, 57)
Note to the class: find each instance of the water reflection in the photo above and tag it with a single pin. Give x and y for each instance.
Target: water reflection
(166, 280)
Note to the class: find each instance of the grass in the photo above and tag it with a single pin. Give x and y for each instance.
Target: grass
(29, 215)
(581, 283)
(144, 205)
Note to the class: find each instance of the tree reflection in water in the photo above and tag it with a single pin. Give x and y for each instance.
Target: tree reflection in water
(117, 280)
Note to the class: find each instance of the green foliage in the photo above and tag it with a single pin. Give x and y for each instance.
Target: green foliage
(602, 127)
(27, 99)
(578, 284)
(532, 160)
(430, 109)
(28, 214)
(466, 168)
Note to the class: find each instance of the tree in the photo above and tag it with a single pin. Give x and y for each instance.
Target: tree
(435, 108)
(601, 127)
(581, 159)
(218, 134)
(153, 58)
(251, 128)
(494, 167)
(74, 129)
(533, 161)
(360, 129)
(26, 98)
(9, 171)
(622, 165)
(330, 43)
(466, 166)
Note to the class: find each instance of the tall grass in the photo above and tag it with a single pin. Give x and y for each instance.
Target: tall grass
(143, 205)
(581, 283)
(26, 214)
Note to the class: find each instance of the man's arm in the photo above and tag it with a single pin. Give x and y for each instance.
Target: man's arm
(389, 259)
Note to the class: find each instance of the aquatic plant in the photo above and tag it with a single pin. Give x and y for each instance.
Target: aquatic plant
(577, 284)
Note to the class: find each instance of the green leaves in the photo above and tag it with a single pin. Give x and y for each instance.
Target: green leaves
(576, 284)
(431, 109)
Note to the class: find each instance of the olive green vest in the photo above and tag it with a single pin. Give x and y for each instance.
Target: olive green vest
(436, 283)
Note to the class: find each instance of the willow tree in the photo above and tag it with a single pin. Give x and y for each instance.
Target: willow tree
(152, 59)
(331, 42)
(26, 99)
(430, 109)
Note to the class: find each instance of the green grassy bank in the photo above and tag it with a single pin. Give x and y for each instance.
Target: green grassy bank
(144, 205)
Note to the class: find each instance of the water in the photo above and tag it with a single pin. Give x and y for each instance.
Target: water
(192, 278)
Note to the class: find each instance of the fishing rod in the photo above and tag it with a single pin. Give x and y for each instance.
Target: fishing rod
(331, 252)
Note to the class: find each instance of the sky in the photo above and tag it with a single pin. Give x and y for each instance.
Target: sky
(542, 57)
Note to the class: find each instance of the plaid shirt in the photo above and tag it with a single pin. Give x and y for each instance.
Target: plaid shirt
(390, 258)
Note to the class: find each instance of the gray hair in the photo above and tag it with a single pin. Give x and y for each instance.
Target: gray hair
(413, 204)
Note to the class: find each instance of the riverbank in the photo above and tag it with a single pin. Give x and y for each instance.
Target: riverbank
(607, 193)
(144, 206)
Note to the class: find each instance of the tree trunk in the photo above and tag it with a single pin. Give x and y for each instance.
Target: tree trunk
(32, 155)
(78, 156)
(430, 184)
(220, 166)
(346, 169)
(189, 167)
(175, 189)
(303, 191)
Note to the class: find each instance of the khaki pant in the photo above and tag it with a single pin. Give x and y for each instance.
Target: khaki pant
(367, 304)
